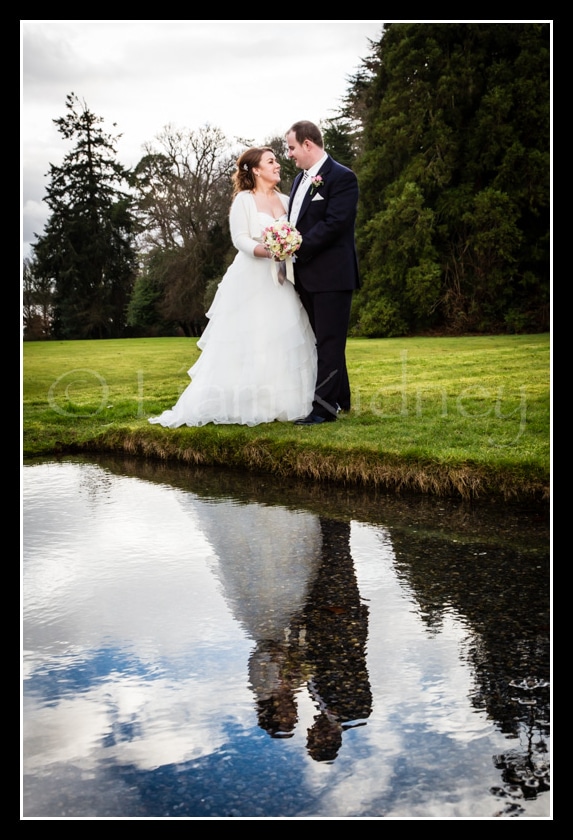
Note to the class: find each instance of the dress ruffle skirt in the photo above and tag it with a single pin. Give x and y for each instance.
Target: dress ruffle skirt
(258, 360)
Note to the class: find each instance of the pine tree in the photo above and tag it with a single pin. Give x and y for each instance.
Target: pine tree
(454, 179)
(87, 248)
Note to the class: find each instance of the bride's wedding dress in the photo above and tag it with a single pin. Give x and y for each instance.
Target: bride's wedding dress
(258, 359)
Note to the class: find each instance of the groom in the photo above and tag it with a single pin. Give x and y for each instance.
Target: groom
(322, 205)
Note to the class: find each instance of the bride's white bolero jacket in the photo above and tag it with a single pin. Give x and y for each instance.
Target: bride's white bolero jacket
(245, 225)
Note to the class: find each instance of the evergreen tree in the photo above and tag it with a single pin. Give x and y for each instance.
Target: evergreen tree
(339, 140)
(87, 248)
(453, 228)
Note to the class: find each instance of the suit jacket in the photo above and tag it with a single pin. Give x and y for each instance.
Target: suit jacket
(326, 261)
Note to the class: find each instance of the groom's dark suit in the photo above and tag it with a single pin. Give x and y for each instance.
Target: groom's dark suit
(326, 274)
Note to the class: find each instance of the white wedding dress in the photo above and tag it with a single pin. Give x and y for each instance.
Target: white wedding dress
(258, 360)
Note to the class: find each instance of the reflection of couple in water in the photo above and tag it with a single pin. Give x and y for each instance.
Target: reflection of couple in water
(288, 578)
(324, 647)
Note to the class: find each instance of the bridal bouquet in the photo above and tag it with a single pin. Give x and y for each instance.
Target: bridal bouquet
(282, 239)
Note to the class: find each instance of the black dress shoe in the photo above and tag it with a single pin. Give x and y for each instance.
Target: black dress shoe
(314, 420)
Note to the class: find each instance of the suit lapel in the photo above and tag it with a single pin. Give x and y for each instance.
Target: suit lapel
(324, 169)
(294, 188)
(305, 202)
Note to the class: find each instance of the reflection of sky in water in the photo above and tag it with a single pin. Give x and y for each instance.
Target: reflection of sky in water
(139, 619)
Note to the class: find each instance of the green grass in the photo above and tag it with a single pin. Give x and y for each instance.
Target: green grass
(450, 416)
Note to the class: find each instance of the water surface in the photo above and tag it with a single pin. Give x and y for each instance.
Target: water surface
(214, 645)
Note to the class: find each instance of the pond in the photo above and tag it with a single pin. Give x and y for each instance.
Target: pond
(214, 645)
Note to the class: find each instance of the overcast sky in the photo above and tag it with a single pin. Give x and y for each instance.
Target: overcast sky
(250, 78)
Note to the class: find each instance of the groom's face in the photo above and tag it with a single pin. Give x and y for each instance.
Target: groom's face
(301, 153)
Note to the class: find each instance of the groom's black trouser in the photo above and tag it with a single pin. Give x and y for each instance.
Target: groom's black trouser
(329, 315)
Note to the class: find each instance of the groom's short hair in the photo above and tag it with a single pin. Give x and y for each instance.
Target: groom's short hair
(305, 130)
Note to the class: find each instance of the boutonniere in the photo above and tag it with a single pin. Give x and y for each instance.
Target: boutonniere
(316, 182)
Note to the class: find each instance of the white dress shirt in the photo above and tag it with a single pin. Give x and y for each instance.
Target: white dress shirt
(303, 187)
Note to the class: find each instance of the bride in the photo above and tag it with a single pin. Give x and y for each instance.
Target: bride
(258, 359)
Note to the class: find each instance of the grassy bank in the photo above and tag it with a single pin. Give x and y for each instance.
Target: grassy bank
(449, 416)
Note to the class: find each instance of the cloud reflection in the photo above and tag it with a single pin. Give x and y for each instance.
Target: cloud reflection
(167, 635)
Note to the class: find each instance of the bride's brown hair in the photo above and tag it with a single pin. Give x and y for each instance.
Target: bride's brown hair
(244, 177)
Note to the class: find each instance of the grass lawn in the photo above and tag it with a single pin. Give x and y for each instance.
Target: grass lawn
(450, 416)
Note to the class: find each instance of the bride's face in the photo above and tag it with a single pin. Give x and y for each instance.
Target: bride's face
(269, 169)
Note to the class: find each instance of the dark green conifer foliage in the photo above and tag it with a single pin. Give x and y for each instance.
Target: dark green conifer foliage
(87, 248)
(454, 224)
